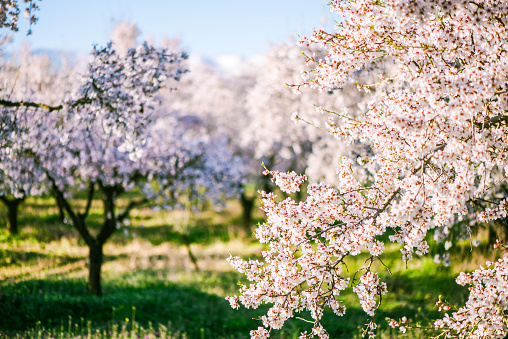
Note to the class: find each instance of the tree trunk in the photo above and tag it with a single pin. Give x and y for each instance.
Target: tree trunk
(61, 212)
(94, 269)
(247, 206)
(95, 245)
(12, 213)
(193, 258)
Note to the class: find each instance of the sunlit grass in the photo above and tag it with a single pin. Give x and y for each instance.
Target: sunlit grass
(147, 266)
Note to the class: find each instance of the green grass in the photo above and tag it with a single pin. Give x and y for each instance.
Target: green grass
(43, 279)
(193, 305)
(155, 298)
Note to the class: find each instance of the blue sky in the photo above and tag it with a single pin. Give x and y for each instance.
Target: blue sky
(207, 28)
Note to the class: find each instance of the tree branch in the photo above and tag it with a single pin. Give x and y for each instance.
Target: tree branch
(48, 108)
(129, 208)
(77, 220)
(91, 192)
(392, 196)
(492, 121)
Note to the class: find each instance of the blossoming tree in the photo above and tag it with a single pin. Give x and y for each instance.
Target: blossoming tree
(219, 101)
(26, 77)
(438, 136)
(11, 9)
(276, 141)
(105, 141)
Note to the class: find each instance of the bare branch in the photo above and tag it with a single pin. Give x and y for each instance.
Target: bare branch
(129, 208)
(48, 108)
(492, 121)
(91, 192)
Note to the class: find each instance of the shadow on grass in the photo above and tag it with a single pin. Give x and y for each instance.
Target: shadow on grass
(156, 300)
(193, 307)
(13, 257)
(199, 234)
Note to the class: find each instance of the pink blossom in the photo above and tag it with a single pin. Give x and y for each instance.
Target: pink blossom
(435, 125)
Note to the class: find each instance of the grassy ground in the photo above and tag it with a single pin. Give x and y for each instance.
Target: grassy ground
(152, 289)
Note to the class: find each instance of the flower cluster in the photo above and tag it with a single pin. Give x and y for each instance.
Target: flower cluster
(498, 212)
(308, 241)
(10, 10)
(367, 290)
(121, 90)
(436, 129)
(394, 324)
(288, 182)
(484, 314)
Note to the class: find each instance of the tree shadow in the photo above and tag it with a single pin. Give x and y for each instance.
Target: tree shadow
(184, 306)
(13, 257)
(192, 306)
(198, 234)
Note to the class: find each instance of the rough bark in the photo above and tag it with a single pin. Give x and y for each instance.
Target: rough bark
(94, 269)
